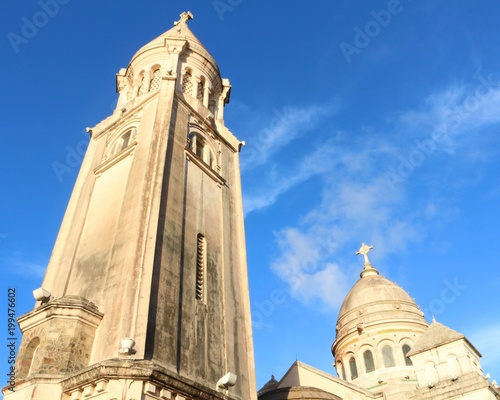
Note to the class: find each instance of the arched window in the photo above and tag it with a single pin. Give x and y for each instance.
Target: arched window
(369, 364)
(187, 83)
(26, 362)
(201, 265)
(121, 143)
(155, 82)
(198, 145)
(406, 350)
(353, 368)
(388, 356)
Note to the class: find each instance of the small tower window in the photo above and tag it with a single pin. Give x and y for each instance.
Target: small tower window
(353, 368)
(187, 83)
(143, 88)
(201, 89)
(198, 145)
(201, 263)
(388, 356)
(341, 370)
(406, 350)
(155, 82)
(369, 364)
(121, 143)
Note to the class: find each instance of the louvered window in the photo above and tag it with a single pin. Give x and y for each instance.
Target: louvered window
(155, 82)
(201, 263)
(187, 84)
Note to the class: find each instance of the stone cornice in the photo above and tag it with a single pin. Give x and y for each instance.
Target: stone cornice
(140, 370)
(66, 307)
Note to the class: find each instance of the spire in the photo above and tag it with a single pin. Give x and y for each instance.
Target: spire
(368, 269)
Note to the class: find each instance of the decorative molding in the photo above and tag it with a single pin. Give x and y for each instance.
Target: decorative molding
(114, 160)
(204, 167)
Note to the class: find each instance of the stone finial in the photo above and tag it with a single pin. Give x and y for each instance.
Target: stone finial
(185, 17)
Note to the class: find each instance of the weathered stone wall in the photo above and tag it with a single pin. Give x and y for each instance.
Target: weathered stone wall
(57, 338)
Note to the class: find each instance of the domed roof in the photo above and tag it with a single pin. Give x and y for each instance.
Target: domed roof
(372, 289)
(375, 300)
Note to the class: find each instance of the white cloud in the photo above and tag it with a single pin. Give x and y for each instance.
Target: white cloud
(31, 269)
(357, 204)
(273, 184)
(285, 126)
(456, 114)
(303, 266)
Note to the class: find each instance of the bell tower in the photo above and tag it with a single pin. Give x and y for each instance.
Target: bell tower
(146, 293)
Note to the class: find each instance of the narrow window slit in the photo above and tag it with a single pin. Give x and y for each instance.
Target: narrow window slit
(201, 262)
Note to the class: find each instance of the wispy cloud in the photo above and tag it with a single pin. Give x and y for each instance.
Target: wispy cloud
(273, 184)
(456, 113)
(304, 265)
(19, 266)
(355, 201)
(285, 126)
(3, 236)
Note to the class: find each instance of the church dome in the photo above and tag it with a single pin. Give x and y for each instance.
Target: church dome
(377, 325)
(375, 298)
(372, 289)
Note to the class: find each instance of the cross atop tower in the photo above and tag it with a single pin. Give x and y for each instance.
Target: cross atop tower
(185, 17)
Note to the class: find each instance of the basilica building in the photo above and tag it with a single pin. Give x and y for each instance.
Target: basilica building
(386, 350)
(146, 293)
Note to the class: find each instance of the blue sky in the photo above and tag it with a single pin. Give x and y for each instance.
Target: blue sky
(376, 121)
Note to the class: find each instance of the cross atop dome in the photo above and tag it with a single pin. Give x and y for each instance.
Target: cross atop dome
(368, 268)
(364, 249)
(185, 17)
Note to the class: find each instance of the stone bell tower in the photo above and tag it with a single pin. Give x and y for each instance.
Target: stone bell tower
(146, 293)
